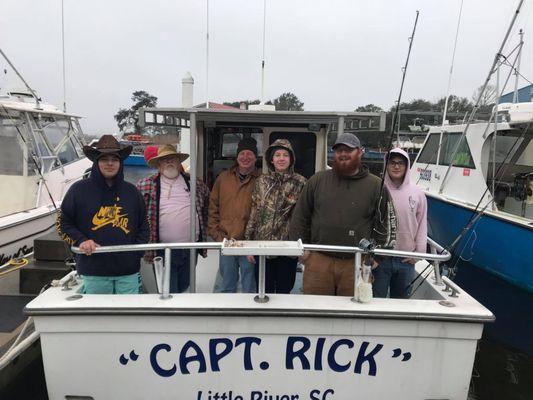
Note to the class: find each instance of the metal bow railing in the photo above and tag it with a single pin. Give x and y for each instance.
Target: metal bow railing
(437, 255)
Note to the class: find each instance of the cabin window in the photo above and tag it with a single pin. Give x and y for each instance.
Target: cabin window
(428, 154)
(56, 133)
(221, 148)
(526, 158)
(230, 140)
(12, 159)
(304, 146)
(462, 158)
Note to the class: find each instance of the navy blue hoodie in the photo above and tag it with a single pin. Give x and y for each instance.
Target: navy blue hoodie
(109, 215)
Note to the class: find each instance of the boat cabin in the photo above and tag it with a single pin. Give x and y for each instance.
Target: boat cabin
(35, 140)
(492, 163)
(211, 135)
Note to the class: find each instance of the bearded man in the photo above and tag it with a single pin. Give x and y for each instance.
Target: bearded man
(340, 207)
(168, 204)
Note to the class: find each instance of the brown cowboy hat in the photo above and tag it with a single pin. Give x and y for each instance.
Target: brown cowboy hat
(164, 151)
(107, 144)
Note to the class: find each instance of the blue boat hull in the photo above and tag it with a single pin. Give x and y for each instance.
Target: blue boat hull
(136, 159)
(496, 268)
(498, 246)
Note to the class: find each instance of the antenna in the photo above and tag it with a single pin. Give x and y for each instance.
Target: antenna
(263, 60)
(451, 65)
(517, 69)
(207, 57)
(37, 103)
(63, 47)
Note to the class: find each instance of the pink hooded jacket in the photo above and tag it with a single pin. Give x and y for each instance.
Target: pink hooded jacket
(411, 210)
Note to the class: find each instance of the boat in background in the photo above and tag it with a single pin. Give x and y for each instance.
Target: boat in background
(40, 158)
(480, 199)
(139, 143)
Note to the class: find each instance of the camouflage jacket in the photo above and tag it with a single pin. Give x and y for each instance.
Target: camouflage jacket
(273, 199)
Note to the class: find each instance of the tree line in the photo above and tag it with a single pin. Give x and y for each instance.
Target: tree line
(128, 118)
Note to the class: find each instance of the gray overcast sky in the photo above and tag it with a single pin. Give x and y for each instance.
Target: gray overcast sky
(333, 54)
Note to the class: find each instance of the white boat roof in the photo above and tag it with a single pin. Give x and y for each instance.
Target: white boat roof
(255, 116)
(32, 107)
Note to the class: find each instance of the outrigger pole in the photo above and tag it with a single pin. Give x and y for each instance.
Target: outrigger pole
(37, 102)
(493, 69)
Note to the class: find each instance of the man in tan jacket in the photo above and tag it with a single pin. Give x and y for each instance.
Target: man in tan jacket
(229, 210)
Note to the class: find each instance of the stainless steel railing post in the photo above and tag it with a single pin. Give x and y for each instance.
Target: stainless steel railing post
(166, 275)
(261, 296)
(357, 275)
(436, 266)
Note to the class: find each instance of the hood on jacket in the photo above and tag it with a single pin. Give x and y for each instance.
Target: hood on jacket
(406, 179)
(279, 144)
(97, 177)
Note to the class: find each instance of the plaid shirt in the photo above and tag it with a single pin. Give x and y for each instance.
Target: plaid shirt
(150, 189)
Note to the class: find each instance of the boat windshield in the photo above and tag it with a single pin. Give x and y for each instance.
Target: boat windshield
(31, 143)
(510, 171)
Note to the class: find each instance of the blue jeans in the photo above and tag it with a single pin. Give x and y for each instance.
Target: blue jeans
(124, 284)
(280, 274)
(229, 271)
(180, 270)
(394, 274)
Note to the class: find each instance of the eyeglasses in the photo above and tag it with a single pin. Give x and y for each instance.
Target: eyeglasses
(397, 163)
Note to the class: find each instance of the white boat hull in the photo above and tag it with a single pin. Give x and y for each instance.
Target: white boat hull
(440, 366)
(17, 231)
(220, 346)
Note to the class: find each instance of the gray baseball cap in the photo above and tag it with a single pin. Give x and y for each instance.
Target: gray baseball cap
(348, 139)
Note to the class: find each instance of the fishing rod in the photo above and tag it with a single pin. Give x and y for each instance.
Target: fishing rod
(404, 73)
(395, 116)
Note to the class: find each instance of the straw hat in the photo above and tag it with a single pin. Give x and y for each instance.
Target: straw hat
(164, 151)
(107, 144)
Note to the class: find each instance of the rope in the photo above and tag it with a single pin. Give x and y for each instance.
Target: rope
(17, 264)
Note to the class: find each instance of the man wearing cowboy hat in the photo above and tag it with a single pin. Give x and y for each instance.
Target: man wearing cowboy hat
(168, 203)
(105, 210)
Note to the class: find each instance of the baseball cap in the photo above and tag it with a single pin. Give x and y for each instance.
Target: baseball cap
(348, 139)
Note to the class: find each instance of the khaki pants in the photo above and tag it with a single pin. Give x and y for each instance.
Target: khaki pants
(328, 275)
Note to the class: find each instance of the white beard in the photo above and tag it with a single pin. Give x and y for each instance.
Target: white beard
(170, 173)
